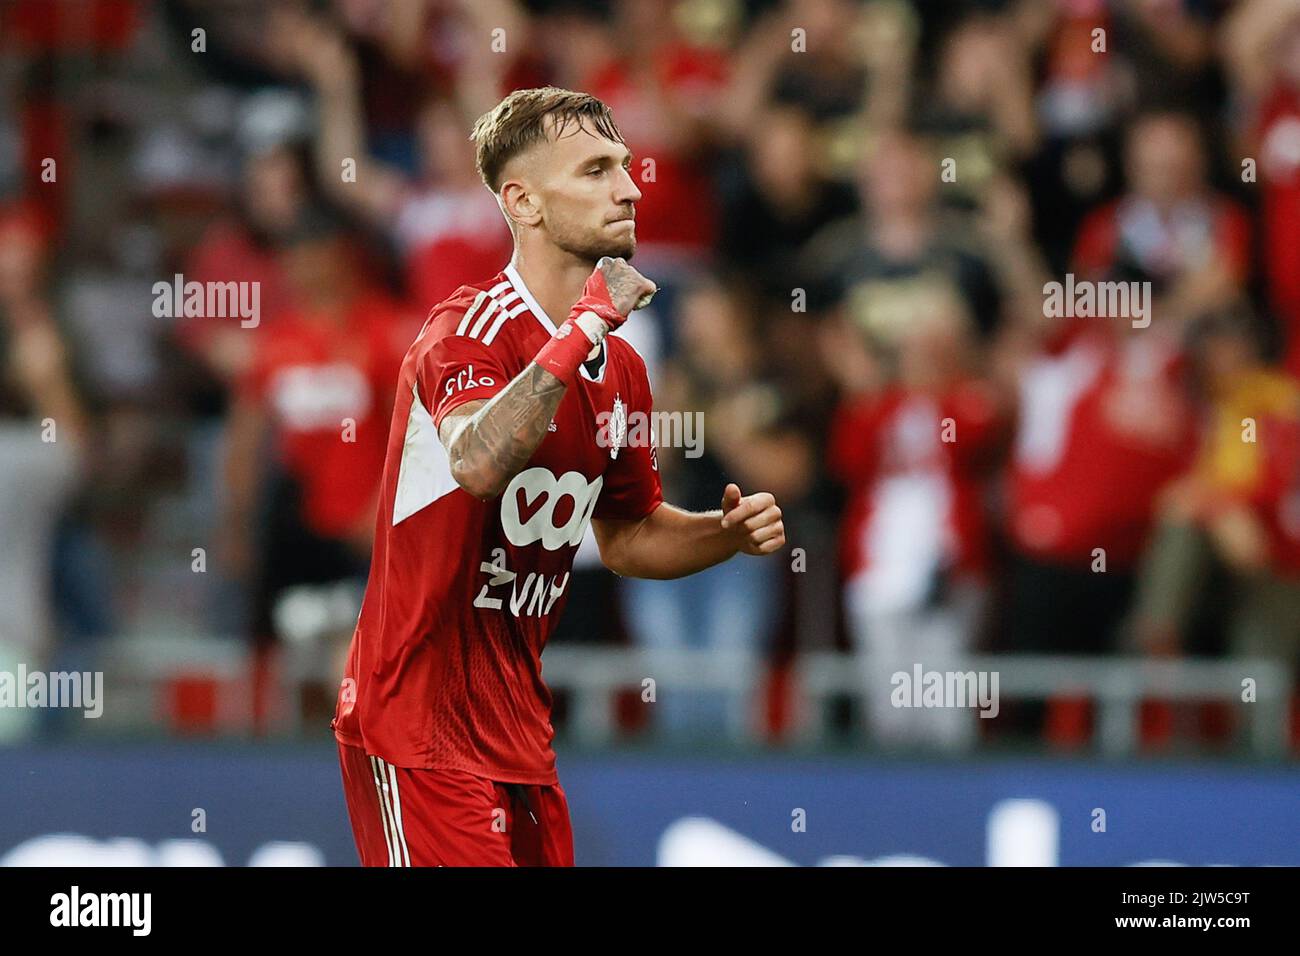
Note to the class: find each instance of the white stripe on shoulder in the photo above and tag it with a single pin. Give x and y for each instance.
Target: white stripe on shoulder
(480, 300)
(496, 326)
(469, 313)
(483, 316)
(512, 305)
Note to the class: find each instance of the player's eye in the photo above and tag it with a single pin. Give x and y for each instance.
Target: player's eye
(595, 172)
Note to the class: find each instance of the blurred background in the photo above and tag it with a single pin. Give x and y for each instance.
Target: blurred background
(852, 208)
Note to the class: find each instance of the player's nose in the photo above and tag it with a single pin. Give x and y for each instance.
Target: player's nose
(626, 189)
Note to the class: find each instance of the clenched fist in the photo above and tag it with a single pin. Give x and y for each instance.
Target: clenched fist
(628, 289)
(755, 521)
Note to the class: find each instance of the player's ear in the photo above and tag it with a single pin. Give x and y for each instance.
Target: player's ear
(520, 203)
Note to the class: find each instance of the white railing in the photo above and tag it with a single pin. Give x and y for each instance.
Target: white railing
(1117, 684)
(593, 677)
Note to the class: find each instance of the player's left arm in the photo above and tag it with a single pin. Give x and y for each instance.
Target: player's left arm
(672, 543)
(642, 536)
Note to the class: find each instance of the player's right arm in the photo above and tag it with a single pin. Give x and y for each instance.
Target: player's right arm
(489, 441)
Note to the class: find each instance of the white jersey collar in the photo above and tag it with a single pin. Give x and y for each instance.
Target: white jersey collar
(517, 281)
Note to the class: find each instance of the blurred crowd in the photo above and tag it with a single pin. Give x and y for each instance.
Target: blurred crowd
(852, 207)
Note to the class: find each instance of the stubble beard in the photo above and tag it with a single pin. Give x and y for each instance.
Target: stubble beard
(593, 246)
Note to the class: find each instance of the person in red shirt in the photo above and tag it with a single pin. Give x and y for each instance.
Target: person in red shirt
(914, 454)
(1103, 425)
(442, 223)
(513, 431)
(248, 246)
(1104, 422)
(666, 90)
(319, 386)
(1169, 228)
(1262, 51)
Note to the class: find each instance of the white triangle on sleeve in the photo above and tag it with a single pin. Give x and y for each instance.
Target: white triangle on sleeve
(424, 475)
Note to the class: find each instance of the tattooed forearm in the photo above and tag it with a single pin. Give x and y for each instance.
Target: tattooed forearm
(492, 446)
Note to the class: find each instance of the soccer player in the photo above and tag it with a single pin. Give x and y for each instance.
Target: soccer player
(505, 444)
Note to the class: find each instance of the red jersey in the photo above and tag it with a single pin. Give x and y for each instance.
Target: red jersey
(445, 667)
(678, 206)
(1164, 245)
(328, 389)
(227, 252)
(917, 499)
(1279, 170)
(1102, 428)
(445, 234)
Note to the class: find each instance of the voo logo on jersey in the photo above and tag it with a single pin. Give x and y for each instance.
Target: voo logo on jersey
(532, 502)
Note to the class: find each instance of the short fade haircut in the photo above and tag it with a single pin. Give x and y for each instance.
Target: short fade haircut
(518, 122)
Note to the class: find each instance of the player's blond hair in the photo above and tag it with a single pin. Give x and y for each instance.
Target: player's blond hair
(519, 121)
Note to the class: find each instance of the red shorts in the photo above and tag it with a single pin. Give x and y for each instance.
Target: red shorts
(412, 817)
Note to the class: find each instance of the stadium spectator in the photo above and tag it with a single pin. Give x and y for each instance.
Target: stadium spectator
(776, 197)
(318, 395)
(861, 76)
(980, 108)
(1262, 42)
(903, 257)
(247, 246)
(1169, 228)
(665, 89)
(718, 378)
(444, 224)
(915, 449)
(42, 438)
(1103, 424)
(1238, 507)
